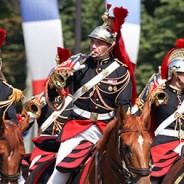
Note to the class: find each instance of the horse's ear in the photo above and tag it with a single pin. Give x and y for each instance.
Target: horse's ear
(122, 115)
(146, 115)
(104, 139)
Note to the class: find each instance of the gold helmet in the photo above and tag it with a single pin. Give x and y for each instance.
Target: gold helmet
(102, 33)
(173, 61)
(105, 32)
(176, 62)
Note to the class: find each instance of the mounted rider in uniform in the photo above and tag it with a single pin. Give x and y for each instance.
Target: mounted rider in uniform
(101, 82)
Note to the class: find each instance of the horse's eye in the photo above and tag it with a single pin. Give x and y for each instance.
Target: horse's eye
(126, 148)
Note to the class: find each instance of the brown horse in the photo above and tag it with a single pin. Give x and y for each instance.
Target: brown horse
(11, 150)
(122, 154)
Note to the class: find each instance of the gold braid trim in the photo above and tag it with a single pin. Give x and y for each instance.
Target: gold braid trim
(15, 97)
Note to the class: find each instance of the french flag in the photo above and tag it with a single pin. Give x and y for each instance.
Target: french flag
(130, 30)
(42, 30)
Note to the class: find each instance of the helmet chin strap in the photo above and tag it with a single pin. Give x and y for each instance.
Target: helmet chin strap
(104, 53)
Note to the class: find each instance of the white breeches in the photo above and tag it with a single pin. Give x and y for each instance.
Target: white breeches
(92, 134)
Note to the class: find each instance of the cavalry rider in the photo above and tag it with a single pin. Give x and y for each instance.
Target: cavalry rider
(100, 85)
(7, 103)
(11, 156)
(167, 95)
(9, 112)
(39, 109)
(168, 141)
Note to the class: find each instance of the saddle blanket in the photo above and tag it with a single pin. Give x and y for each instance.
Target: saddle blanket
(163, 157)
(77, 157)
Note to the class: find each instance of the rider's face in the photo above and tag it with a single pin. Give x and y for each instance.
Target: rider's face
(178, 80)
(181, 79)
(99, 48)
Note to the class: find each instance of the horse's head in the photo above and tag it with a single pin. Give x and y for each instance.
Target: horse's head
(11, 152)
(135, 141)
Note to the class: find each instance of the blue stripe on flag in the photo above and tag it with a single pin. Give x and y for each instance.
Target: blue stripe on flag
(39, 10)
(133, 7)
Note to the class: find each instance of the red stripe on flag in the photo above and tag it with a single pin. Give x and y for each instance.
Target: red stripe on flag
(38, 86)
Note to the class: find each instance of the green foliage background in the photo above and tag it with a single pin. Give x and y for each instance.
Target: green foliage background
(161, 25)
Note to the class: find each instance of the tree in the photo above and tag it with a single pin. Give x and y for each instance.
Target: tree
(162, 24)
(13, 55)
(90, 18)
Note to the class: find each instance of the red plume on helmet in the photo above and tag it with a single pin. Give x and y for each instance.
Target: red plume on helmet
(119, 50)
(164, 67)
(2, 37)
(120, 14)
(63, 54)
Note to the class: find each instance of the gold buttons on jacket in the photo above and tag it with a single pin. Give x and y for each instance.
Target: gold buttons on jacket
(115, 88)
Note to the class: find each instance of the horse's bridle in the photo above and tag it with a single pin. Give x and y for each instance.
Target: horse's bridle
(131, 173)
(9, 178)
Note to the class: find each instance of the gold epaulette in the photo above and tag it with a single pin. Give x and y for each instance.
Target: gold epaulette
(16, 95)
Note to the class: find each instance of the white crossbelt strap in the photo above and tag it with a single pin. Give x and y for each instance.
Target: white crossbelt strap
(169, 120)
(95, 80)
(168, 132)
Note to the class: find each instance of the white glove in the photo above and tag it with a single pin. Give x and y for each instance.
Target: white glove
(78, 66)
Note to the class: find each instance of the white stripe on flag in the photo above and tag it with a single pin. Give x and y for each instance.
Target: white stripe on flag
(42, 35)
(131, 36)
(41, 41)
